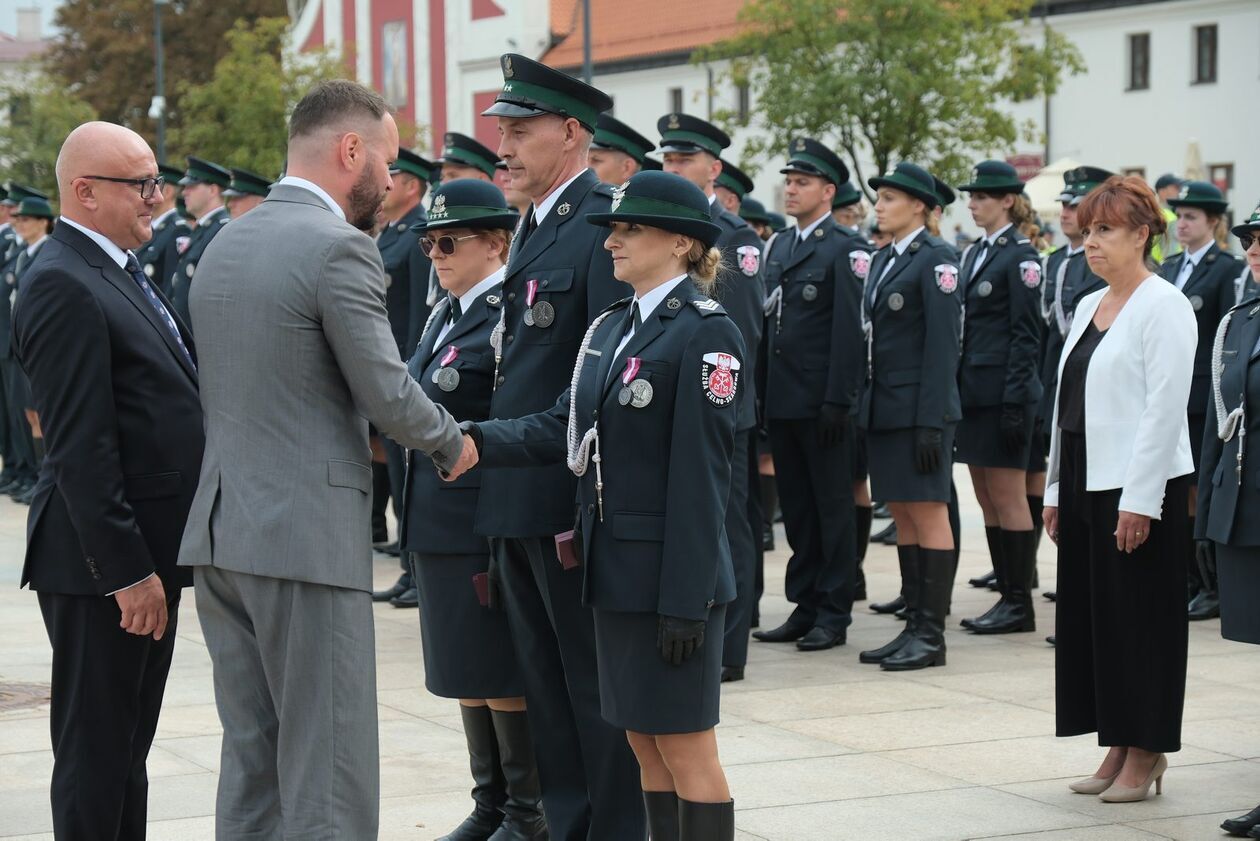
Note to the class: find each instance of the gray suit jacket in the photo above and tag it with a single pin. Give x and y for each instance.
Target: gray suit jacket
(296, 356)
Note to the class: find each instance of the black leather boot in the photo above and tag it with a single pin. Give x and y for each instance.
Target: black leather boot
(662, 815)
(522, 810)
(1207, 604)
(1241, 825)
(1014, 613)
(489, 787)
(926, 646)
(908, 563)
(908, 559)
(992, 534)
(1036, 505)
(706, 821)
(862, 538)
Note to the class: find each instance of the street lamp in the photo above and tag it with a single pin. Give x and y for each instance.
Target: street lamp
(157, 109)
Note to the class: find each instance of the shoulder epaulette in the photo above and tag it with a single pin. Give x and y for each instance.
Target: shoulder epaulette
(707, 306)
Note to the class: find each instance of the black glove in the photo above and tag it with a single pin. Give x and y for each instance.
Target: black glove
(1012, 426)
(833, 425)
(927, 449)
(1205, 557)
(678, 638)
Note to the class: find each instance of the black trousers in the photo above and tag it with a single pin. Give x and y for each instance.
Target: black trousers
(7, 455)
(396, 464)
(816, 495)
(1121, 630)
(107, 690)
(744, 555)
(590, 778)
(21, 441)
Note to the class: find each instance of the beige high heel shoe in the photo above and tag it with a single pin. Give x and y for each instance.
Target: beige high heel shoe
(1093, 785)
(1120, 794)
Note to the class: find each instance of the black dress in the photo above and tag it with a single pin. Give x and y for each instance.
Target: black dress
(1121, 633)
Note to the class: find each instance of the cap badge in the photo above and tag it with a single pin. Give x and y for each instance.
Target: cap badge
(673, 122)
(619, 193)
(508, 72)
(1185, 191)
(439, 206)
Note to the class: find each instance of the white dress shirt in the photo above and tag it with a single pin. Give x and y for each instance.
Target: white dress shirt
(466, 300)
(1188, 264)
(647, 305)
(544, 207)
(294, 181)
(1136, 389)
(112, 251)
(803, 233)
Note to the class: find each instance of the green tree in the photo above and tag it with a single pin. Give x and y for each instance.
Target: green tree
(891, 80)
(104, 52)
(40, 115)
(240, 116)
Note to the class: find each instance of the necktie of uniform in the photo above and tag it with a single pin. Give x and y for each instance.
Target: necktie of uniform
(453, 310)
(1187, 266)
(632, 323)
(164, 315)
(984, 252)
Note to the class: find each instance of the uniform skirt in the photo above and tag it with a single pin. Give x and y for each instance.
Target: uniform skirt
(894, 477)
(981, 442)
(1121, 630)
(467, 648)
(639, 691)
(1238, 571)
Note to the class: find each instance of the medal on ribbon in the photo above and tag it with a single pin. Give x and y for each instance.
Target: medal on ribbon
(540, 314)
(634, 392)
(447, 378)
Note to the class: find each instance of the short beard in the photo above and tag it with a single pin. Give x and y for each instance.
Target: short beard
(364, 200)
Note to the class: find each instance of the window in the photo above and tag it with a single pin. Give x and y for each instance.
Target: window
(676, 100)
(1205, 54)
(1222, 175)
(742, 102)
(1139, 61)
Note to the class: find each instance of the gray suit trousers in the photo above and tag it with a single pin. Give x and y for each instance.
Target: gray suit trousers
(295, 684)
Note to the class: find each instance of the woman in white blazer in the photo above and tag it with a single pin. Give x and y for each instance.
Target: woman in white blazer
(1116, 495)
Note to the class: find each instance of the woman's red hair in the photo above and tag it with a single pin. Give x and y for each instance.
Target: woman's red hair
(1124, 201)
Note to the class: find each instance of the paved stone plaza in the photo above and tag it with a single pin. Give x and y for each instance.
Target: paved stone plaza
(817, 747)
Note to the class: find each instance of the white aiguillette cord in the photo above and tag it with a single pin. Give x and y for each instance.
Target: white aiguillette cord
(1235, 422)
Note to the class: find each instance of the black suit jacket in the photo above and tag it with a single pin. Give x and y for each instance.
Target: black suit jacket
(438, 515)
(814, 348)
(407, 285)
(574, 273)
(916, 324)
(158, 256)
(741, 292)
(186, 267)
(122, 423)
(661, 545)
(1211, 291)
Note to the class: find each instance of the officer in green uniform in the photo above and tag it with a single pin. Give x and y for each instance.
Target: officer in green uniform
(557, 280)
(846, 207)
(157, 257)
(245, 192)
(203, 183)
(754, 213)
(617, 152)
(692, 148)
(406, 292)
(465, 157)
(20, 460)
(814, 369)
(731, 186)
(1206, 275)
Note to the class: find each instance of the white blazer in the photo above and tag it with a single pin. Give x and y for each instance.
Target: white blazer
(1136, 390)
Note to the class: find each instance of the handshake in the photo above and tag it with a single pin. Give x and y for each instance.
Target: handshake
(468, 456)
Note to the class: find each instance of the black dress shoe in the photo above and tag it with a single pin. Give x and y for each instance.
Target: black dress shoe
(895, 606)
(820, 639)
(1206, 605)
(730, 674)
(1243, 824)
(789, 631)
(888, 536)
(402, 585)
(1050, 639)
(984, 580)
(27, 496)
(1050, 595)
(1254, 832)
(411, 598)
(20, 488)
(881, 512)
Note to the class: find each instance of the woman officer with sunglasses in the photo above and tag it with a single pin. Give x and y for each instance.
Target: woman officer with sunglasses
(649, 426)
(1228, 491)
(468, 651)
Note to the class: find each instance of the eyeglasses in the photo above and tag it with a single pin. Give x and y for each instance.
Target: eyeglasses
(1246, 240)
(148, 186)
(445, 244)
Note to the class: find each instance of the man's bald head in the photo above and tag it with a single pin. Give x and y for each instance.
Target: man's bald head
(97, 151)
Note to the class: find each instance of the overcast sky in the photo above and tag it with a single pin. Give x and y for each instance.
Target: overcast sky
(8, 13)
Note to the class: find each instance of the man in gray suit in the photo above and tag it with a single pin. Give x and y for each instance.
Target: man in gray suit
(296, 356)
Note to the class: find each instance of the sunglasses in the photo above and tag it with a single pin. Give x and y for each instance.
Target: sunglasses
(1246, 240)
(445, 244)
